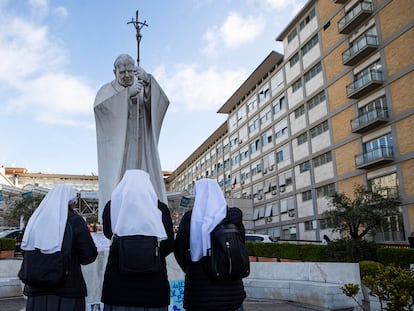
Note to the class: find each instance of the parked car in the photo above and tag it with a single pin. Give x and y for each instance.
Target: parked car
(16, 234)
(255, 237)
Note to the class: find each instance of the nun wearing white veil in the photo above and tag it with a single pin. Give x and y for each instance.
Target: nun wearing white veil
(191, 244)
(134, 209)
(46, 231)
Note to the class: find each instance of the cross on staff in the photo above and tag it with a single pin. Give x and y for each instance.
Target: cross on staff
(138, 26)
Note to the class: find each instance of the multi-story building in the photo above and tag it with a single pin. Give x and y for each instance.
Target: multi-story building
(334, 111)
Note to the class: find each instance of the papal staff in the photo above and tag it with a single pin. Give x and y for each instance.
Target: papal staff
(138, 26)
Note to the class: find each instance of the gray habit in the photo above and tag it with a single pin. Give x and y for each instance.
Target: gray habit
(127, 135)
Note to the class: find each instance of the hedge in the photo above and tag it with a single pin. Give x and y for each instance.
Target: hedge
(7, 244)
(400, 257)
(335, 251)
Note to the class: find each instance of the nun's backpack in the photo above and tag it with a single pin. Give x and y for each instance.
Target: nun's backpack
(138, 254)
(47, 270)
(227, 257)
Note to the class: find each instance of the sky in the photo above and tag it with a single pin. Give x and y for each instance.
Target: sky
(56, 54)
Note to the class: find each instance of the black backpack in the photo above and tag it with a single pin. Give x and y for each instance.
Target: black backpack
(138, 254)
(47, 270)
(227, 257)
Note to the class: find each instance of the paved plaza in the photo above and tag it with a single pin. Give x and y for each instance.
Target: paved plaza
(18, 304)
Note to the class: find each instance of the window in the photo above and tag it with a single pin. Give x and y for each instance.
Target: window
(294, 59)
(296, 85)
(326, 223)
(380, 104)
(251, 104)
(316, 100)
(266, 139)
(313, 72)
(373, 71)
(255, 146)
(300, 111)
(281, 132)
(282, 154)
(253, 125)
(389, 184)
(308, 46)
(307, 19)
(319, 129)
(309, 225)
(304, 167)
(235, 160)
(267, 116)
(325, 191)
(279, 105)
(292, 35)
(264, 94)
(379, 144)
(244, 154)
(322, 159)
(279, 156)
(233, 142)
(306, 196)
(241, 113)
(303, 138)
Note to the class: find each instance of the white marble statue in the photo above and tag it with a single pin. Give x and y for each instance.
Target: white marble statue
(129, 112)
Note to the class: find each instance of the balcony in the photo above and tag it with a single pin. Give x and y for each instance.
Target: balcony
(354, 17)
(374, 158)
(369, 120)
(367, 81)
(359, 50)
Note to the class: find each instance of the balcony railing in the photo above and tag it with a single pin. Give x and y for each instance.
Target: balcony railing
(355, 16)
(368, 81)
(374, 157)
(369, 120)
(340, 1)
(360, 49)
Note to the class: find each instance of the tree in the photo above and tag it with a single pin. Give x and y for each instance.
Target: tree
(368, 209)
(24, 206)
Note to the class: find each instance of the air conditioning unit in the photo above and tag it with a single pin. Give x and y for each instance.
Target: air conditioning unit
(264, 172)
(291, 213)
(271, 167)
(242, 182)
(260, 197)
(274, 192)
(282, 188)
(268, 219)
(240, 141)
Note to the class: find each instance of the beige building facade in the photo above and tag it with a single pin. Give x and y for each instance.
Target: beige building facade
(334, 111)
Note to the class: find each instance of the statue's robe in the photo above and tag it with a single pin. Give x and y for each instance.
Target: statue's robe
(127, 135)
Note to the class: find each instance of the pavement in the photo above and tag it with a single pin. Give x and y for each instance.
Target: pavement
(19, 303)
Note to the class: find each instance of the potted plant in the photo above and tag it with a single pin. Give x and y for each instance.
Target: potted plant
(7, 247)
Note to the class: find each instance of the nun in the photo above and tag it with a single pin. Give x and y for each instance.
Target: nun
(201, 293)
(134, 210)
(45, 231)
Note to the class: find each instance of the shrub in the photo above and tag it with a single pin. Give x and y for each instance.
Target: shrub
(394, 287)
(7, 244)
(368, 267)
(346, 250)
(400, 257)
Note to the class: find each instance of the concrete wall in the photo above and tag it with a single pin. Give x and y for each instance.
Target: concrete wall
(316, 284)
(312, 283)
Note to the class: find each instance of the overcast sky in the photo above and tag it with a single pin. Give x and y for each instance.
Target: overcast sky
(54, 56)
